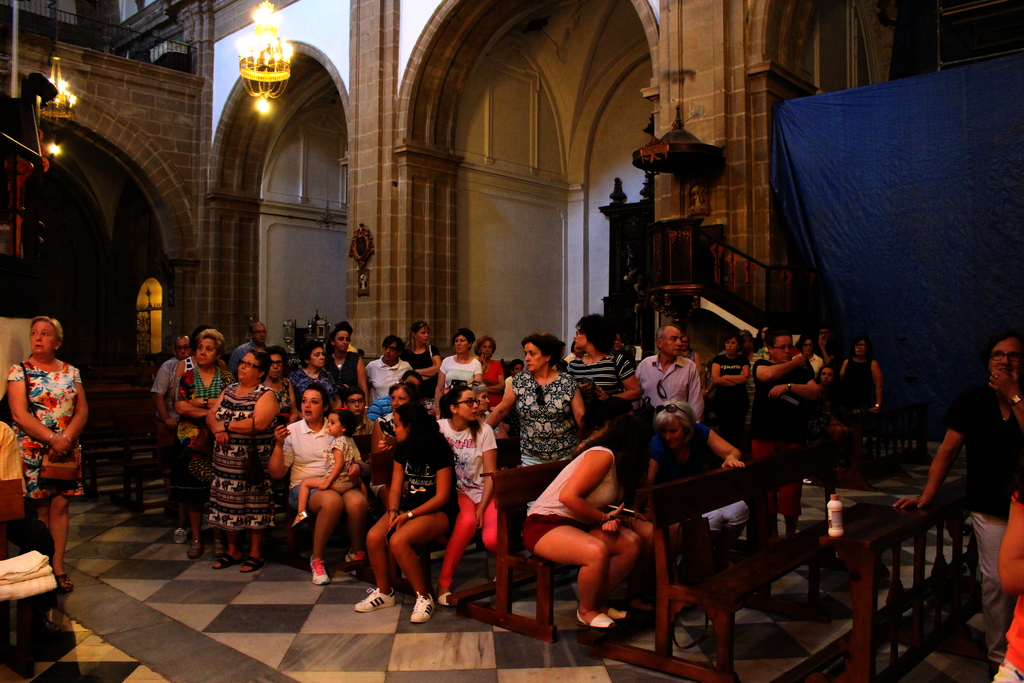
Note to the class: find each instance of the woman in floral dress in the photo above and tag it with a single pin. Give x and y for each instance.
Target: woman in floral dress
(548, 403)
(50, 411)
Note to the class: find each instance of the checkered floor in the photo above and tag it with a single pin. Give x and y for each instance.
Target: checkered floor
(152, 614)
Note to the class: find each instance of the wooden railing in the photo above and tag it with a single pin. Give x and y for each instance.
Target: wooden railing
(752, 283)
(915, 620)
(884, 440)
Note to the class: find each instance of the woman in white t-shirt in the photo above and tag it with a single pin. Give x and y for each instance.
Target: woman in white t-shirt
(461, 369)
(476, 452)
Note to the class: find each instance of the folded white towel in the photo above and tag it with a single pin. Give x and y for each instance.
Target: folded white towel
(23, 565)
(10, 580)
(25, 589)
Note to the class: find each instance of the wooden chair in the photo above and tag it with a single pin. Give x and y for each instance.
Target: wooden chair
(513, 489)
(138, 432)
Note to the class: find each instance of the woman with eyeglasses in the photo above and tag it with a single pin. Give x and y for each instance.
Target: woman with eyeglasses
(730, 371)
(548, 403)
(423, 357)
(987, 420)
(682, 447)
(242, 422)
(461, 368)
(287, 406)
(861, 377)
(476, 453)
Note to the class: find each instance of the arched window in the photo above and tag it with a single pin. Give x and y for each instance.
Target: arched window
(149, 319)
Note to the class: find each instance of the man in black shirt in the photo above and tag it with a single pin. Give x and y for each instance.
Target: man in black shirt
(782, 387)
(986, 419)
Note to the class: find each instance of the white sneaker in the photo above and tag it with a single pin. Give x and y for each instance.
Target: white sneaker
(376, 600)
(423, 610)
(180, 535)
(442, 599)
(320, 577)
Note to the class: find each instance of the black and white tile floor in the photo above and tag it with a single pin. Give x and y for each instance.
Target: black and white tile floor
(142, 612)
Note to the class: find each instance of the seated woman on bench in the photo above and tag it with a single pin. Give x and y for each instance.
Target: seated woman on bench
(422, 507)
(575, 520)
(679, 449)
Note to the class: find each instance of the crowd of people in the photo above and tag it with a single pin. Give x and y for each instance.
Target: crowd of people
(625, 425)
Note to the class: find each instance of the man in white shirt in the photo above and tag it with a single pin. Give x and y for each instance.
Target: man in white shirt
(257, 342)
(669, 375)
(386, 371)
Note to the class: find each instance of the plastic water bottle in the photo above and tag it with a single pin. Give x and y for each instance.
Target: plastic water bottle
(835, 516)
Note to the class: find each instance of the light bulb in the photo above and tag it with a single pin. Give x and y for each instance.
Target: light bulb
(54, 149)
(262, 106)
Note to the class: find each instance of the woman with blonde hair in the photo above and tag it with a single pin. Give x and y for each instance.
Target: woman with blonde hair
(48, 405)
(192, 470)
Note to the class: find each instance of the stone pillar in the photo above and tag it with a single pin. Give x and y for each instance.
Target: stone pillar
(425, 264)
(768, 83)
(228, 278)
(372, 176)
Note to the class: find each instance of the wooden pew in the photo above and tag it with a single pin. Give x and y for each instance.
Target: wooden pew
(513, 489)
(745, 584)
(884, 440)
(140, 459)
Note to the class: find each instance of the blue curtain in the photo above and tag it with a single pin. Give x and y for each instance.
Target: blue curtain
(908, 197)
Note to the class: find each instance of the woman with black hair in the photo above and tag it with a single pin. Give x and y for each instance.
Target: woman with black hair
(576, 520)
(987, 421)
(242, 422)
(422, 507)
(345, 365)
(547, 402)
(861, 377)
(599, 373)
(461, 368)
(476, 454)
(314, 360)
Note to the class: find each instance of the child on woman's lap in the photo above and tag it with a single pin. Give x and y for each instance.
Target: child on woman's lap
(339, 457)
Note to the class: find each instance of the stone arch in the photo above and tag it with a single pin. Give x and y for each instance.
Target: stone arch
(167, 192)
(458, 33)
(239, 149)
(778, 30)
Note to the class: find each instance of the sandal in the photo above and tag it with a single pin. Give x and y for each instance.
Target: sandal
(223, 561)
(64, 583)
(252, 564)
(196, 550)
(300, 517)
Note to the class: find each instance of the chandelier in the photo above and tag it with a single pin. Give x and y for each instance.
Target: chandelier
(62, 107)
(264, 60)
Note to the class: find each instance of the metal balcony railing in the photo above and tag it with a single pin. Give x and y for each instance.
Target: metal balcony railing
(37, 17)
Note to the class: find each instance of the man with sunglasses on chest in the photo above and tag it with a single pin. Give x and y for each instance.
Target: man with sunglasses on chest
(669, 375)
(778, 423)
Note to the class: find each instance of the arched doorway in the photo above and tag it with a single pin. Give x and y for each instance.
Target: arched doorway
(99, 241)
(535, 119)
(280, 195)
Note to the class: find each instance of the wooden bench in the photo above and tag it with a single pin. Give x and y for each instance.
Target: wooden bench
(745, 584)
(884, 440)
(140, 460)
(513, 489)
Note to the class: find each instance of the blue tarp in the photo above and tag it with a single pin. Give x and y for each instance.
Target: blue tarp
(908, 197)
